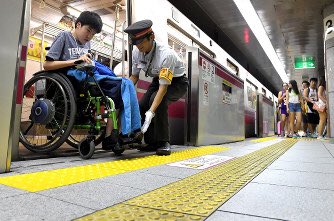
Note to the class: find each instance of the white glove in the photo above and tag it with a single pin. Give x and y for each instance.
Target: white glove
(148, 118)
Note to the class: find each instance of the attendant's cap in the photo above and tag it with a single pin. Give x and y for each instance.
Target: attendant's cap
(138, 31)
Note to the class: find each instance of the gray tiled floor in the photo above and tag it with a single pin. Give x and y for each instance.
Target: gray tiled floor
(33, 206)
(228, 216)
(281, 202)
(297, 186)
(93, 194)
(8, 191)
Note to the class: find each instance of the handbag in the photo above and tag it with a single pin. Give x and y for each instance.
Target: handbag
(319, 106)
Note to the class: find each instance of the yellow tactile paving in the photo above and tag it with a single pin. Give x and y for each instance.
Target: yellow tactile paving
(197, 196)
(263, 139)
(44, 180)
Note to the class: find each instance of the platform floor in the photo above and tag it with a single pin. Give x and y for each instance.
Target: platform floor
(263, 179)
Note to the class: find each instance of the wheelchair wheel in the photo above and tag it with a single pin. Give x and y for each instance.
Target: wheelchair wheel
(48, 112)
(77, 135)
(118, 152)
(86, 148)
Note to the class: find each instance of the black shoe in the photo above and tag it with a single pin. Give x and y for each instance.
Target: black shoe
(110, 142)
(137, 137)
(164, 149)
(148, 147)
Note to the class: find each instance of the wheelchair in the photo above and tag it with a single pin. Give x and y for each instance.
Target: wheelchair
(54, 112)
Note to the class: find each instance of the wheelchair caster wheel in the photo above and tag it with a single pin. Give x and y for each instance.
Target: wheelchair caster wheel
(86, 148)
(118, 150)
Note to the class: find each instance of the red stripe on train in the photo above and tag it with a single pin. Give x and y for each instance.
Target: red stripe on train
(20, 82)
(175, 109)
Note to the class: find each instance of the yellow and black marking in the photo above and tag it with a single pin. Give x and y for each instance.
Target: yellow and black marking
(166, 73)
(263, 139)
(197, 196)
(44, 180)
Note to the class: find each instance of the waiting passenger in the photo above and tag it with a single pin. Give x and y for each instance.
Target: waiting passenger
(305, 86)
(69, 47)
(283, 109)
(322, 111)
(295, 101)
(311, 96)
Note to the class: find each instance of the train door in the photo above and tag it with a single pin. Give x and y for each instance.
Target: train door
(250, 109)
(177, 110)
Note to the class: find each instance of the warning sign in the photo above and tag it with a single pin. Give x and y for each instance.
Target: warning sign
(205, 93)
(208, 71)
(202, 162)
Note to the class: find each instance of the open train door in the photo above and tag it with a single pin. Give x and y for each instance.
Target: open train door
(16, 13)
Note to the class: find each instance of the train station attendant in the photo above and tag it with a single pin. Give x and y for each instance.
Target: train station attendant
(155, 60)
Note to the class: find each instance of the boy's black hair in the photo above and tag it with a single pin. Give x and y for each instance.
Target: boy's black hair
(306, 82)
(314, 79)
(92, 19)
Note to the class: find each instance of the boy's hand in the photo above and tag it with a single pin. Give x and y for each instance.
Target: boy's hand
(87, 58)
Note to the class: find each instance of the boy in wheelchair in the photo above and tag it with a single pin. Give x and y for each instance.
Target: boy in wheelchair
(70, 48)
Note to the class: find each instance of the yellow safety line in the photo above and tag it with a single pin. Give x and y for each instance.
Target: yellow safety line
(197, 196)
(44, 180)
(263, 139)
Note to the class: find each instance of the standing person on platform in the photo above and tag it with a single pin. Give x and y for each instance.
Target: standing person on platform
(322, 100)
(311, 96)
(283, 109)
(295, 101)
(169, 83)
(305, 86)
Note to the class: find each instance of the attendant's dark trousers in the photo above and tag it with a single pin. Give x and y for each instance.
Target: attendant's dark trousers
(158, 130)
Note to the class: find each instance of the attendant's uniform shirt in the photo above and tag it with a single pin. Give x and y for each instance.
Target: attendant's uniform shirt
(164, 57)
(65, 47)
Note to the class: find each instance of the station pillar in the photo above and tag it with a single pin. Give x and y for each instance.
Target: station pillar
(328, 22)
(14, 21)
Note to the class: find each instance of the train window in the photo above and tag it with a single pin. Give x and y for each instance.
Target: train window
(227, 88)
(251, 94)
(227, 92)
(264, 92)
(186, 38)
(178, 46)
(233, 67)
(175, 15)
(196, 31)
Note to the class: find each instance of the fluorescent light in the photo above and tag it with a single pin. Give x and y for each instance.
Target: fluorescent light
(248, 12)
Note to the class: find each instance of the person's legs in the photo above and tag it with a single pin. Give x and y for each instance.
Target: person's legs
(323, 116)
(112, 89)
(161, 126)
(283, 120)
(144, 105)
(292, 122)
(299, 120)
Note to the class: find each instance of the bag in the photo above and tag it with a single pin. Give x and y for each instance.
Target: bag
(279, 127)
(319, 106)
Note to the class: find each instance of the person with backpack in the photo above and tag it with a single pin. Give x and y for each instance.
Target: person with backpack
(311, 96)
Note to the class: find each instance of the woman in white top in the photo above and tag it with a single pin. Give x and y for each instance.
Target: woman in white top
(295, 102)
(322, 100)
